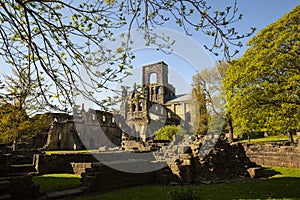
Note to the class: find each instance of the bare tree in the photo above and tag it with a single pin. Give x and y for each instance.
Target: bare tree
(59, 38)
(211, 79)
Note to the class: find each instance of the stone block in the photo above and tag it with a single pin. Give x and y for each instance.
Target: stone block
(256, 172)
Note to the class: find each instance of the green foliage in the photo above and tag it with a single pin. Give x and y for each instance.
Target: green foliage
(167, 132)
(208, 90)
(200, 115)
(263, 86)
(20, 97)
(16, 125)
(21, 90)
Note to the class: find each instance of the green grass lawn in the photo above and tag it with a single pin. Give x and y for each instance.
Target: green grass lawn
(57, 181)
(69, 151)
(284, 185)
(276, 138)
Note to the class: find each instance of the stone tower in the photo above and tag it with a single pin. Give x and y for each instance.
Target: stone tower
(160, 90)
(143, 108)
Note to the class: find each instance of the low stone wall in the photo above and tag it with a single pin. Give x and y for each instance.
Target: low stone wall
(18, 187)
(80, 167)
(101, 178)
(62, 163)
(22, 157)
(78, 162)
(274, 155)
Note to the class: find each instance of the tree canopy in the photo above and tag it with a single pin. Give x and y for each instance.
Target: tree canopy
(263, 86)
(60, 39)
(16, 125)
(21, 90)
(211, 80)
(167, 132)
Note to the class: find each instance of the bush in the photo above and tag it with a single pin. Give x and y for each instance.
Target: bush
(167, 132)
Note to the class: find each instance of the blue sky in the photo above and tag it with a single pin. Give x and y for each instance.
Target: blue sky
(256, 13)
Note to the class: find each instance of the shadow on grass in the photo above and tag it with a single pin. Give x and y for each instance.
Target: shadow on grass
(268, 172)
(274, 188)
(278, 188)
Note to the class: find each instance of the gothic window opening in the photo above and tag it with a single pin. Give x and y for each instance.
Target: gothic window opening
(153, 78)
(133, 107)
(140, 106)
(158, 90)
(152, 91)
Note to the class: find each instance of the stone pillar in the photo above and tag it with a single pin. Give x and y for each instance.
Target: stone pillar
(184, 111)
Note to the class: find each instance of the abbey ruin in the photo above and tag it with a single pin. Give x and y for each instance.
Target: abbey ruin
(142, 111)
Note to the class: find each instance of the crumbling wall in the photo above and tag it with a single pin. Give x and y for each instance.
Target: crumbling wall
(89, 130)
(222, 162)
(101, 178)
(15, 185)
(62, 163)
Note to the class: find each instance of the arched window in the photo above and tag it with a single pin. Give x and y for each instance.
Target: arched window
(133, 107)
(158, 90)
(140, 108)
(152, 90)
(153, 78)
(103, 118)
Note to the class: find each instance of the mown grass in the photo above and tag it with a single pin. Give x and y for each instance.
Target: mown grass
(69, 151)
(284, 185)
(57, 181)
(276, 138)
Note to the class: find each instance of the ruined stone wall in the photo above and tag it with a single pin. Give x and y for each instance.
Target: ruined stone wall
(101, 178)
(274, 155)
(62, 163)
(15, 185)
(60, 136)
(91, 130)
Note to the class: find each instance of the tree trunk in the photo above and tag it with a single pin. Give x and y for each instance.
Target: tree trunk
(15, 145)
(230, 127)
(290, 136)
(248, 138)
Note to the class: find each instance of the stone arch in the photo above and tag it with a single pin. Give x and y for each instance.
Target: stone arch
(161, 71)
(158, 90)
(133, 107)
(140, 106)
(153, 77)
